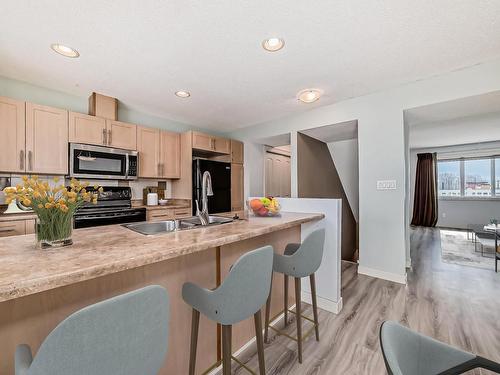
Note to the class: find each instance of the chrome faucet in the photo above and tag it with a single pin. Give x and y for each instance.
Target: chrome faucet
(206, 191)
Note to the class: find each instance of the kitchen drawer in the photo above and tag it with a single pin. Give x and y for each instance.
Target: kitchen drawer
(12, 228)
(159, 215)
(182, 212)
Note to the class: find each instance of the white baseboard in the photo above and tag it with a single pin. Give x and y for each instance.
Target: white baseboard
(324, 303)
(401, 279)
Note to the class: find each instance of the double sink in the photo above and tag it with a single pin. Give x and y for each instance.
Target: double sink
(158, 227)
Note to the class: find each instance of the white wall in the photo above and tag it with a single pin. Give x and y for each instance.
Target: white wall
(345, 157)
(458, 212)
(472, 129)
(382, 154)
(27, 92)
(254, 170)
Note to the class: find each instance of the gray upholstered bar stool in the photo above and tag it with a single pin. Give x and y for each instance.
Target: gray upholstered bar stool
(125, 335)
(242, 294)
(410, 353)
(299, 260)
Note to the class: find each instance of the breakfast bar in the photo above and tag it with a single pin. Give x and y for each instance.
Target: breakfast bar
(40, 288)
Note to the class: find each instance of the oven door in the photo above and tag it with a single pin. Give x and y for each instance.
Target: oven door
(132, 215)
(88, 161)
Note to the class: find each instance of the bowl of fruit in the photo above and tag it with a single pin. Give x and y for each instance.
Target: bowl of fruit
(264, 207)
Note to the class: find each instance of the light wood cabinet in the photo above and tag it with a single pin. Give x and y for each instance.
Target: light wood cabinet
(203, 142)
(12, 139)
(170, 154)
(17, 227)
(222, 145)
(237, 193)
(46, 139)
(87, 129)
(210, 143)
(159, 153)
(148, 146)
(121, 135)
(236, 151)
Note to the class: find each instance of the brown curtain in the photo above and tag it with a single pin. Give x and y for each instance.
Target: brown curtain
(425, 205)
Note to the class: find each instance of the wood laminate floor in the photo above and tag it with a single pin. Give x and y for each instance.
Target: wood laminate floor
(456, 304)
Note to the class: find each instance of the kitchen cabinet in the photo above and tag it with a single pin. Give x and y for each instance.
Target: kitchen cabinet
(12, 141)
(160, 213)
(170, 154)
(87, 129)
(237, 194)
(236, 151)
(159, 153)
(222, 145)
(46, 140)
(17, 227)
(98, 131)
(121, 135)
(206, 142)
(148, 146)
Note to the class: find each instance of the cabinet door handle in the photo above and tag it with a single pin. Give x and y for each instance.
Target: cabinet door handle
(158, 169)
(109, 137)
(104, 137)
(30, 160)
(21, 160)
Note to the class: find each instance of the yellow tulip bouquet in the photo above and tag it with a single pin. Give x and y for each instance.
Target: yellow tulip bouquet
(54, 207)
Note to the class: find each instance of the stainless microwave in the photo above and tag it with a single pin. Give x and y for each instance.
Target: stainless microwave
(97, 162)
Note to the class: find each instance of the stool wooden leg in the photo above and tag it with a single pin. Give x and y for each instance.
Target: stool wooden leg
(285, 300)
(195, 324)
(298, 316)
(268, 312)
(312, 279)
(226, 350)
(260, 345)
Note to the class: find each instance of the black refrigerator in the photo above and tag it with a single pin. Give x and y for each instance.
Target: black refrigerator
(221, 185)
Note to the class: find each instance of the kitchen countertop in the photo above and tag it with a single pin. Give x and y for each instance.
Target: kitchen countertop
(100, 251)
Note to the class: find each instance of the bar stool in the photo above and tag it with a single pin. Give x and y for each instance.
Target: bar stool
(241, 295)
(299, 260)
(126, 334)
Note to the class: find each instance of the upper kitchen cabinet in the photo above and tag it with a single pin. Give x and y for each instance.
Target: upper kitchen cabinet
(170, 154)
(12, 141)
(236, 152)
(87, 129)
(46, 139)
(210, 143)
(148, 145)
(159, 153)
(121, 135)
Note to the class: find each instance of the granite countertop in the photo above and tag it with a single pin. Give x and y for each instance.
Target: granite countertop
(100, 251)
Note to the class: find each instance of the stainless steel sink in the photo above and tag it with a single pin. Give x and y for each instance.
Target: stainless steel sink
(158, 227)
(212, 220)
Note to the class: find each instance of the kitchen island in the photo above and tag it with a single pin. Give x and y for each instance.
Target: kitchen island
(39, 288)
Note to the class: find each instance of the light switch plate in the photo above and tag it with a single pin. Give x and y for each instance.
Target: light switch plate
(386, 185)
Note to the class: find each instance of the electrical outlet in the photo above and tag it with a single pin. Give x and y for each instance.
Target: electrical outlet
(443, 214)
(386, 185)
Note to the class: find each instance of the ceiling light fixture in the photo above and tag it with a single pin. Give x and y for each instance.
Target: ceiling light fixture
(273, 44)
(65, 50)
(183, 94)
(309, 95)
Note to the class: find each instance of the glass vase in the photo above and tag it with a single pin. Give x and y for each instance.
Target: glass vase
(54, 231)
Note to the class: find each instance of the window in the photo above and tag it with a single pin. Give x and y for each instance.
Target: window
(469, 177)
(477, 177)
(449, 178)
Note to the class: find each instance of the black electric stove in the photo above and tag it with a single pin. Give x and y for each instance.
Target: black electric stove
(114, 206)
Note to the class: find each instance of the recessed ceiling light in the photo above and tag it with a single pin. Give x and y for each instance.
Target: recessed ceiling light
(183, 94)
(273, 44)
(309, 95)
(64, 50)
